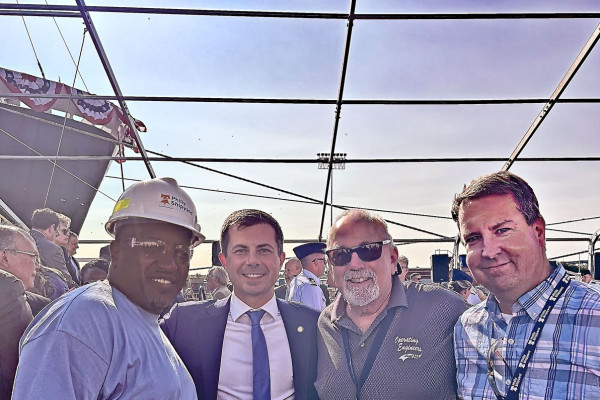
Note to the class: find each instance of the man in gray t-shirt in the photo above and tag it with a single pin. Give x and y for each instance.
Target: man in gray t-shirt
(102, 341)
(382, 339)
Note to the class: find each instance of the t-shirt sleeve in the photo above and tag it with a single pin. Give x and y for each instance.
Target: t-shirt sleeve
(59, 366)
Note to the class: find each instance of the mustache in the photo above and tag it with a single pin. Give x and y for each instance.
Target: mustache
(358, 274)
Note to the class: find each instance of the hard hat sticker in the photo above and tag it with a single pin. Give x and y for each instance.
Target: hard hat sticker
(121, 205)
(170, 201)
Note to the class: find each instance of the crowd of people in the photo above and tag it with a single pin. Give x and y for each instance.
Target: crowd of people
(508, 326)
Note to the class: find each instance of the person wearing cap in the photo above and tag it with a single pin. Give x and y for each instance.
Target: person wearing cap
(306, 288)
(476, 296)
(102, 340)
(249, 345)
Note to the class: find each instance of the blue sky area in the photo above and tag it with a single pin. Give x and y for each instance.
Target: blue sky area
(160, 55)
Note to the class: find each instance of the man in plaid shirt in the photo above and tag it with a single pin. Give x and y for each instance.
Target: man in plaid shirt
(537, 336)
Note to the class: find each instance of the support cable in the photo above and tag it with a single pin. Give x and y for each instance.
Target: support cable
(62, 131)
(290, 193)
(288, 200)
(567, 255)
(32, 46)
(87, 19)
(69, 50)
(573, 220)
(585, 51)
(576, 233)
(338, 110)
(56, 165)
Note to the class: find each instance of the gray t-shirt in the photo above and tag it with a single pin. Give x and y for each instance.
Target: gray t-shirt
(93, 343)
(416, 358)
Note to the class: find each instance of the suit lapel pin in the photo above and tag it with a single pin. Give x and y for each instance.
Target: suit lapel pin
(300, 329)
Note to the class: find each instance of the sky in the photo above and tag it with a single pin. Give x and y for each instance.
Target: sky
(159, 55)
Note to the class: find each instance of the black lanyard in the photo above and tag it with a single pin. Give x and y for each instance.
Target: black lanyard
(384, 325)
(517, 381)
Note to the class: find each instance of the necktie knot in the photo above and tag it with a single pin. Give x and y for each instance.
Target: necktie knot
(256, 316)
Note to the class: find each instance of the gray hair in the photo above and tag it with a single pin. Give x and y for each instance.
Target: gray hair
(8, 236)
(220, 275)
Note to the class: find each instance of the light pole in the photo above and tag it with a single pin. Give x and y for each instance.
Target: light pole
(338, 163)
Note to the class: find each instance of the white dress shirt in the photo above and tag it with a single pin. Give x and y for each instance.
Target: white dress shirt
(235, 377)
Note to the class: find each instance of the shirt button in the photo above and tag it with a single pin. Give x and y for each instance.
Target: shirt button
(511, 341)
(362, 344)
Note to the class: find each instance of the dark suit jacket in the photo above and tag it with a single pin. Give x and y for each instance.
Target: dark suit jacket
(36, 302)
(280, 291)
(51, 254)
(72, 266)
(196, 330)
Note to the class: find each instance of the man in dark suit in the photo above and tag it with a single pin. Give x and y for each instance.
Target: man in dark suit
(44, 228)
(69, 251)
(216, 339)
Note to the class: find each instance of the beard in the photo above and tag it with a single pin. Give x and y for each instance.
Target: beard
(360, 296)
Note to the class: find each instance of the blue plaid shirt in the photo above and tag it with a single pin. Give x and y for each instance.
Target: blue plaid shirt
(566, 361)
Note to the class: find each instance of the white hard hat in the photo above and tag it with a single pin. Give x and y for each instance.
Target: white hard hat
(159, 199)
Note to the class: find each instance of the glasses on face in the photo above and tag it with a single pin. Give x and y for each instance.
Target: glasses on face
(64, 231)
(35, 256)
(366, 252)
(316, 260)
(154, 248)
(496, 363)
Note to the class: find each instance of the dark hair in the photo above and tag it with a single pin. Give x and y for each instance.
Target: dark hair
(459, 286)
(97, 263)
(585, 272)
(497, 183)
(43, 218)
(105, 252)
(246, 218)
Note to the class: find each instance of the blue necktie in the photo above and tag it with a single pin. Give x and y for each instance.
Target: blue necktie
(261, 375)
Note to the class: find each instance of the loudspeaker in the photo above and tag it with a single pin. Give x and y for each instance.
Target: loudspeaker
(216, 250)
(596, 276)
(439, 267)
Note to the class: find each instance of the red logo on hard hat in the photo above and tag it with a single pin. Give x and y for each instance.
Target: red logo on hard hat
(165, 198)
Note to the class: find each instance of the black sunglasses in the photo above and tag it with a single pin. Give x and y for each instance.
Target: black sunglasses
(366, 252)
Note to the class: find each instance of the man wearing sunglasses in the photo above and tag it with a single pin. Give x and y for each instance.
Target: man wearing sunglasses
(306, 288)
(102, 340)
(382, 339)
(249, 345)
(537, 335)
(61, 239)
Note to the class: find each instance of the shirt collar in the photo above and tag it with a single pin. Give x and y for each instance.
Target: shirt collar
(533, 301)
(238, 308)
(397, 299)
